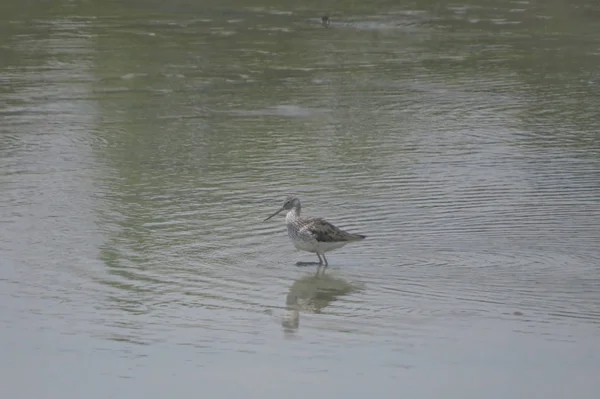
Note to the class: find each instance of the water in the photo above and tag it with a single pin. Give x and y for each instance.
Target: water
(143, 143)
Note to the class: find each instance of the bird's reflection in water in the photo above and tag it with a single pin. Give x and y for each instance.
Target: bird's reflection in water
(312, 294)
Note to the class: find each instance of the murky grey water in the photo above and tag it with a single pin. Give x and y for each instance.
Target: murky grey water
(142, 144)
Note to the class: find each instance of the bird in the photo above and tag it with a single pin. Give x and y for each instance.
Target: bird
(313, 234)
(325, 21)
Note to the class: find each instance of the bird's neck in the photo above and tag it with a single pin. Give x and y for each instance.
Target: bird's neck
(294, 213)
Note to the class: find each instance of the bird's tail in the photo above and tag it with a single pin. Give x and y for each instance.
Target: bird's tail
(357, 237)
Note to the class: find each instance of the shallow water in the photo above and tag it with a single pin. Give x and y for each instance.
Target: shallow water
(142, 145)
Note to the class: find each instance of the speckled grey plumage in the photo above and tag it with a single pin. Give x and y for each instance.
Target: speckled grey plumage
(313, 234)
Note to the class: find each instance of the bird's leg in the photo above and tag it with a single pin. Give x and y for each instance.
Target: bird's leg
(319, 265)
(326, 263)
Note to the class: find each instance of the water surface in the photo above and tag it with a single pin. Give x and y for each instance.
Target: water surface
(143, 143)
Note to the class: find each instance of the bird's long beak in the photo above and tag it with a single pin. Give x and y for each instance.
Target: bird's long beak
(273, 215)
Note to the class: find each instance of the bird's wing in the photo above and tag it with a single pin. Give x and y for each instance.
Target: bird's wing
(324, 231)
